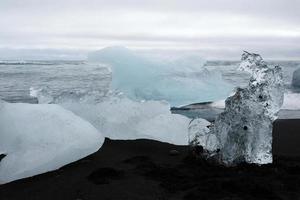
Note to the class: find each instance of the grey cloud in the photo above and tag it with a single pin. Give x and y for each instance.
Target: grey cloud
(24, 23)
(273, 8)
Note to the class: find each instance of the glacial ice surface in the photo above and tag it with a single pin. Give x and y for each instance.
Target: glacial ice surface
(119, 117)
(243, 132)
(41, 138)
(181, 81)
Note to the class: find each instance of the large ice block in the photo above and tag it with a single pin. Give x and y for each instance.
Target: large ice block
(35, 139)
(244, 129)
(181, 81)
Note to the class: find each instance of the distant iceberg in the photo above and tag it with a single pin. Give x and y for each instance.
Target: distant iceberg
(35, 139)
(180, 81)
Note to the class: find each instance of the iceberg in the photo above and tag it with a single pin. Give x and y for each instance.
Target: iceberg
(36, 138)
(243, 132)
(181, 81)
(136, 106)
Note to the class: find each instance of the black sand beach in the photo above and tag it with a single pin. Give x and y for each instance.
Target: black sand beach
(145, 169)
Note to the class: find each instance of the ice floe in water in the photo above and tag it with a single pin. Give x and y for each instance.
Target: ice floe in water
(243, 132)
(40, 138)
(180, 81)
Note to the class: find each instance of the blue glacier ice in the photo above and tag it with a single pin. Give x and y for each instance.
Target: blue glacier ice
(181, 81)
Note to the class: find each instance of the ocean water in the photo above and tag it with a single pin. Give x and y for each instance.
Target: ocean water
(229, 73)
(18, 80)
(78, 77)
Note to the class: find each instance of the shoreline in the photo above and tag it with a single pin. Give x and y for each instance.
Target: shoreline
(147, 169)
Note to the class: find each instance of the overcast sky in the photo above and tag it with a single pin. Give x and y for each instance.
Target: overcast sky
(217, 28)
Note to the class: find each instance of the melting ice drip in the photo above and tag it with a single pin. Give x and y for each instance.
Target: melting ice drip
(243, 132)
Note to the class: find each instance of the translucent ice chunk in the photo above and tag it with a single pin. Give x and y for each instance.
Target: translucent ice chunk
(244, 129)
(122, 118)
(118, 117)
(41, 138)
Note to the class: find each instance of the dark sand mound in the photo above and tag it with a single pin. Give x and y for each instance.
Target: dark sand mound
(145, 169)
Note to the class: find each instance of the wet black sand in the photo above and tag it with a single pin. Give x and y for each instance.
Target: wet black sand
(145, 169)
